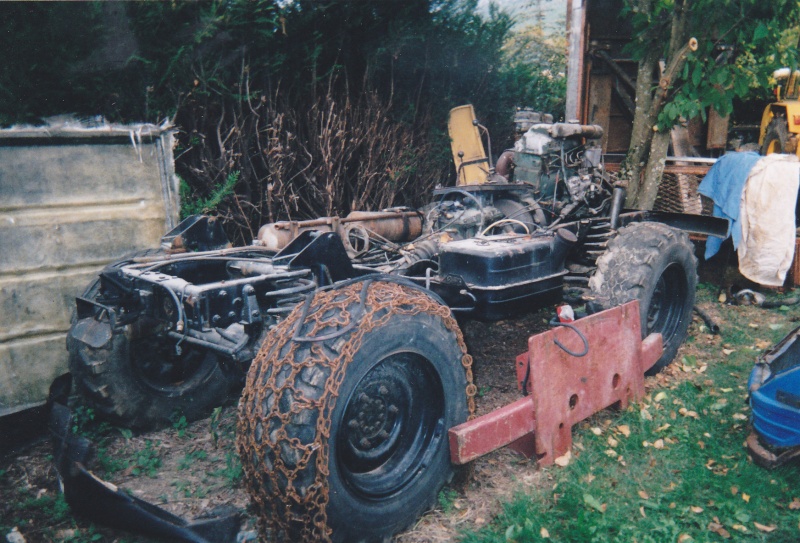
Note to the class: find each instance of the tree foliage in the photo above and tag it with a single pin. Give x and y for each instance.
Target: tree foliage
(312, 106)
(740, 43)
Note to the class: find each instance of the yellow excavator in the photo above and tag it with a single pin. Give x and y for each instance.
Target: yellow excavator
(780, 122)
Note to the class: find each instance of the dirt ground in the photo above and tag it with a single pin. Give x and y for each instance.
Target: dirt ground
(191, 469)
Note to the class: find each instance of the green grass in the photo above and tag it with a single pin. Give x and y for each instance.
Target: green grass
(232, 472)
(191, 458)
(673, 467)
(146, 461)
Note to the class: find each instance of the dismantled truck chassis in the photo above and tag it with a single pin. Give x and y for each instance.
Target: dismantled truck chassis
(356, 367)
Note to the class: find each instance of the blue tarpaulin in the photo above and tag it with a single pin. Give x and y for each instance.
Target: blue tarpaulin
(724, 184)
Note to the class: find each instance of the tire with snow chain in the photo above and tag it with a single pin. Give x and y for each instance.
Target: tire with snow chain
(654, 264)
(343, 420)
(130, 377)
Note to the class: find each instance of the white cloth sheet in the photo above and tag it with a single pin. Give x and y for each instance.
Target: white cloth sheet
(767, 217)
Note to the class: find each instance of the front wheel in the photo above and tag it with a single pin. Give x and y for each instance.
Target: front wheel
(343, 421)
(776, 137)
(654, 264)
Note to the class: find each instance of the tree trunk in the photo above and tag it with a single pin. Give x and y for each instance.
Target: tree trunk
(648, 146)
(655, 169)
(642, 131)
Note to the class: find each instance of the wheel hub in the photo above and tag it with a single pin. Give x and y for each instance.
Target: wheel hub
(374, 417)
(391, 420)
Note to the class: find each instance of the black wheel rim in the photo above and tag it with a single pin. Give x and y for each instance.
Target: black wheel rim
(665, 313)
(393, 423)
(159, 367)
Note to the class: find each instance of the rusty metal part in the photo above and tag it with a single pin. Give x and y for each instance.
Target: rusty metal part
(568, 130)
(564, 389)
(393, 225)
(766, 458)
(286, 499)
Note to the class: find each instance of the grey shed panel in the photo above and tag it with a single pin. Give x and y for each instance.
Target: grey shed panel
(71, 201)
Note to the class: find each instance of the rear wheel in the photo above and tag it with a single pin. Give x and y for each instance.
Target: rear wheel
(654, 264)
(133, 377)
(343, 421)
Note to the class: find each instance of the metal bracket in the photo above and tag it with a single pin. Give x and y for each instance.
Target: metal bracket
(564, 389)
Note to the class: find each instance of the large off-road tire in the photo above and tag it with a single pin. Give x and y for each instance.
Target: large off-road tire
(654, 264)
(343, 420)
(776, 136)
(132, 379)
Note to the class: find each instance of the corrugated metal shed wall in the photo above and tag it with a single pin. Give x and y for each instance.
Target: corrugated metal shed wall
(71, 201)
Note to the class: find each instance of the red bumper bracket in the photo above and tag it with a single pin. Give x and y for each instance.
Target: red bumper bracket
(564, 389)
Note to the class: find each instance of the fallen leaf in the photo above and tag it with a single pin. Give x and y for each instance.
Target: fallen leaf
(597, 431)
(660, 396)
(726, 390)
(663, 427)
(739, 527)
(775, 326)
(718, 529)
(722, 297)
(765, 528)
(641, 512)
(480, 521)
(544, 533)
(643, 495)
(795, 505)
(611, 452)
(624, 430)
(612, 442)
(564, 459)
(728, 352)
(658, 444)
(594, 503)
(746, 497)
(696, 509)
(734, 490)
(589, 478)
(739, 416)
(719, 404)
(763, 344)
(684, 537)
(752, 325)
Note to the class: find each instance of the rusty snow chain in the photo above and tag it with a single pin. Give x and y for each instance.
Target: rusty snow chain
(289, 488)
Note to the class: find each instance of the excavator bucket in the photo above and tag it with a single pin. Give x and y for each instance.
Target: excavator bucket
(472, 164)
